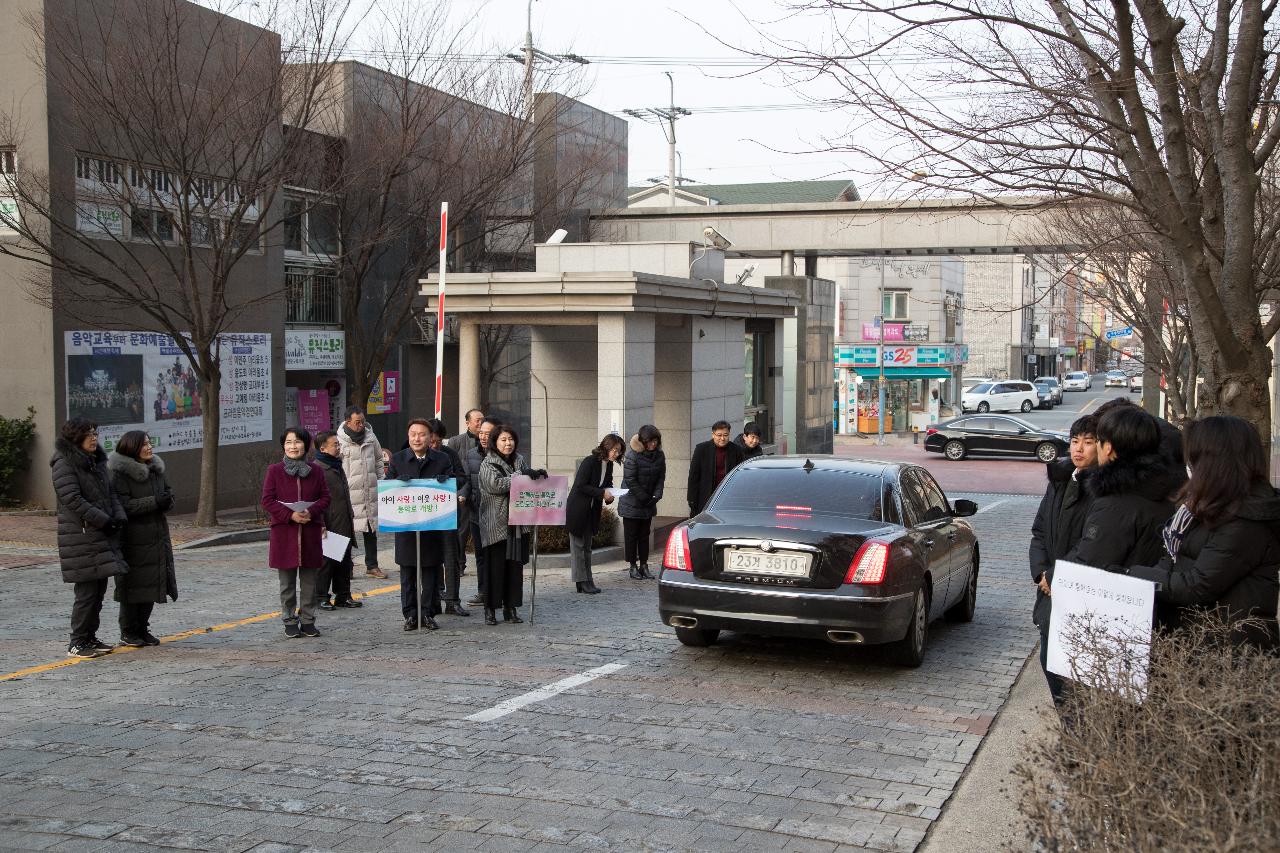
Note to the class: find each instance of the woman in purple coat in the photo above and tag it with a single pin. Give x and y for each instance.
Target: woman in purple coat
(296, 531)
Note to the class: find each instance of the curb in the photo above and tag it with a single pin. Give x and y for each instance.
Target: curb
(233, 537)
(564, 561)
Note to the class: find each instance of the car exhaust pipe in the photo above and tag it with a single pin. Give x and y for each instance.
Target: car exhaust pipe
(844, 637)
(683, 622)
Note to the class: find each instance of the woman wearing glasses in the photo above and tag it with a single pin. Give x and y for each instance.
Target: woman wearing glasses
(90, 518)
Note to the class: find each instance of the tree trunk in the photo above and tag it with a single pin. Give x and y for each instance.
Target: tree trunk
(1241, 389)
(359, 389)
(210, 400)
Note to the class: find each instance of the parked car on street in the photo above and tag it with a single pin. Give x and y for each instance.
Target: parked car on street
(1078, 381)
(1117, 379)
(1014, 396)
(1044, 395)
(1135, 384)
(1054, 386)
(995, 435)
(849, 551)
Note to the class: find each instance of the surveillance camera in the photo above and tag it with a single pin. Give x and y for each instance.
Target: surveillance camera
(746, 273)
(715, 238)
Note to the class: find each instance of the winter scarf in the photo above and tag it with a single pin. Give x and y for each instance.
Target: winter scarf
(1175, 529)
(357, 437)
(297, 467)
(332, 461)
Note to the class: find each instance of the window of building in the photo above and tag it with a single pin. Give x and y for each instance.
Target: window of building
(8, 162)
(151, 225)
(896, 305)
(311, 296)
(310, 227)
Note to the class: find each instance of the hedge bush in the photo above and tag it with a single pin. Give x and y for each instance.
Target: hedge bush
(555, 540)
(16, 435)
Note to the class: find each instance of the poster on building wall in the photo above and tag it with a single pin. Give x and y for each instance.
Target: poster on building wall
(314, 349)
(141, 381)
(313, 410)
(10, 217)
(384, 398)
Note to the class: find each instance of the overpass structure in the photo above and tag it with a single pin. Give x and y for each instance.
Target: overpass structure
(843, 229)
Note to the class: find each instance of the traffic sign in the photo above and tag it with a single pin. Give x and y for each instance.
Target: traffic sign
(1113, 334)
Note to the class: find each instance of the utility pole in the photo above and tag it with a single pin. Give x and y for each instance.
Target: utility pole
(530, 55)
(880, 359)
(666, 119)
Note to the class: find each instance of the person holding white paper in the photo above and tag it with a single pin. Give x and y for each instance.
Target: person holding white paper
(339, 520)
(295, 551)
(590, 492)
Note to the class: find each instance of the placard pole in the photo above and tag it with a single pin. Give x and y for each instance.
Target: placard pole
(533, 581)
(417, 542)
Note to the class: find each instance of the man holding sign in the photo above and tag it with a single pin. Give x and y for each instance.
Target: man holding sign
(409, 510)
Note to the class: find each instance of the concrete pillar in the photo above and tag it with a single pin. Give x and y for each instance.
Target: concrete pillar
(624, 373)
(562, 360)
(468, 370)
(788, 262)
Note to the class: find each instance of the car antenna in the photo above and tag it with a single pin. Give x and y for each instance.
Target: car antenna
(808, 465)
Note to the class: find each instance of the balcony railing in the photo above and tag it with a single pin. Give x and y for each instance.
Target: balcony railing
(312, 297)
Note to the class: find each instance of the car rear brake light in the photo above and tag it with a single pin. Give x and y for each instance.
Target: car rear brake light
(792, 511)
(676, 556)
(869, 564)
(930, 431)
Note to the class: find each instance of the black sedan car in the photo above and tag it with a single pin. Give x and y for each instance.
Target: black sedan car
(835, 549)
(994, 435)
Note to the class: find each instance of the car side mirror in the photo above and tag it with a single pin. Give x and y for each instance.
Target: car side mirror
(964, 508)
(1022, 431)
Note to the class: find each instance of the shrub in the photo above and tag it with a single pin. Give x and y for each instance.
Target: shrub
(555, 540)
(1195, 766)
(16, 435)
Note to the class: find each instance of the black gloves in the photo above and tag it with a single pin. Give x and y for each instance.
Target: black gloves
(442, 478)
(164, 502)
(527, 471)
(539, 474)
(112, 527)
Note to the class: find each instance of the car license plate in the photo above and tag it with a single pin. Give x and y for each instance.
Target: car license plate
(755, 562)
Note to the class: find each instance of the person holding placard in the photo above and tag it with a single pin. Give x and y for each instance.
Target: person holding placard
(339, 520)
(506, 547)
(295, 497)
(473, 459)
(1057, 527)
(1222, 546)
(452, 544)
(588, 496)
(419, 551)
(644, 473)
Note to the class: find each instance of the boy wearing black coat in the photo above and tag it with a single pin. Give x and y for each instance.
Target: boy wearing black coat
(1057, 527)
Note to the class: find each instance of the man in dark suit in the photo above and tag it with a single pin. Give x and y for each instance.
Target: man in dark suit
(419, 462)
(712, 461)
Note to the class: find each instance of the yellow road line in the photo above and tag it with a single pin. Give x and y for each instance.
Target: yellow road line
(182, 635)
(1085, 408)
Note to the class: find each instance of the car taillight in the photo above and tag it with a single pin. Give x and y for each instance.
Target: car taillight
(676, 556)
(930, 431)
(869, 564)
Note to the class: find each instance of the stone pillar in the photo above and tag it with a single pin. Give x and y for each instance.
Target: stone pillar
(624, 373)
(563, 359)
(468, 370)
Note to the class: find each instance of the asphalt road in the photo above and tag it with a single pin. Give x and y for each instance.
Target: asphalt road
(592, 728)
(1074, 404)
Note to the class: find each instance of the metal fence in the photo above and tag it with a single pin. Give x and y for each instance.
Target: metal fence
(311, 296)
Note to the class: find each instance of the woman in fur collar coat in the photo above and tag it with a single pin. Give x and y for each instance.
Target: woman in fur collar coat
(137, 474)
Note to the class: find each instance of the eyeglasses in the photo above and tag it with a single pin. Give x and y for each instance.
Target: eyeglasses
(92, 432)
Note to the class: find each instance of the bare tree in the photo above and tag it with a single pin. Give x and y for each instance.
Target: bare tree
(173, 116)
(1167, 110)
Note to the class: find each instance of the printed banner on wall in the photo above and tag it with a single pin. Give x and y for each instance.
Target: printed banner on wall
(408, 505)
(141, 380)
(314, 349)
(539, 502)
(384, 397)
(313, 410)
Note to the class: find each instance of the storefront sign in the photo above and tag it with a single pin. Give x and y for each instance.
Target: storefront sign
(915, 332)
(539, 502)
(313, 411)
(142, 381)
(408, 505)
(892, 331)
(384, 398)
(99, 220)
(314, 349)
(902, 356)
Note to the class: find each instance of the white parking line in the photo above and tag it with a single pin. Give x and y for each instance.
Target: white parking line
(991, 506)
(515, 703)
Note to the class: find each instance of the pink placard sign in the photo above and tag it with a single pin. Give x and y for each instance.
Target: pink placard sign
(539, 502)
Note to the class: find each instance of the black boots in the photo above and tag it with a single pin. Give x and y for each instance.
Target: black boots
(588, 587)
(509, 614)
(633, 572)
(455, 609)
(644, 571)
(490, 618)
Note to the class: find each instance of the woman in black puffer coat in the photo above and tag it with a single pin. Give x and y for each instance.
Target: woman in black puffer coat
(137, 474)
(644, 471)
(1221, 549)
(90, 518)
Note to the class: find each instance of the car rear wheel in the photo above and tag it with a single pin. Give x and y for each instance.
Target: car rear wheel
(963, 610)
(1046, 451)
(984, 407)
(1026, 405)
(953, 450)
(697, 636)
(909, 651)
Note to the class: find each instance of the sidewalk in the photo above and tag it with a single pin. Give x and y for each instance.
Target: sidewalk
(25, 530)
(982, 814)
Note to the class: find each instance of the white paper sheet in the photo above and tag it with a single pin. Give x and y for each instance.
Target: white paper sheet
(617, 493)
(334, 545)
(297, 506)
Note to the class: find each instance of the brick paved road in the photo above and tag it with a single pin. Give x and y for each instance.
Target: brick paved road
(359, 740)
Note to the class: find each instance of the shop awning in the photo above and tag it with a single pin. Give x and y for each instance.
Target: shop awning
(905, 372)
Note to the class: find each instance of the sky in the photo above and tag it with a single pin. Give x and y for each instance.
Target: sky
(743, 127)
